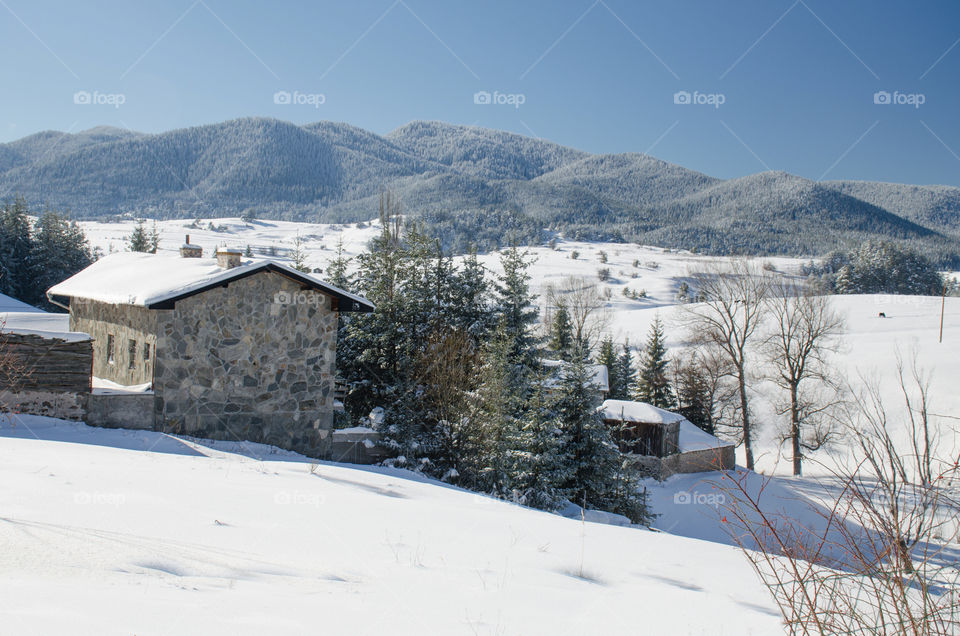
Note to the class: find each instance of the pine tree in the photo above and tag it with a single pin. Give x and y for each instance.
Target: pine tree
(470, 302)
(561, 333)
(542, 467)
(608, 358)
(299, 256)
(139, 240)
(653, 384)
(371, 347)
(337, 269)
(153, 239)
(17, 257)
(593, 457)
(516, 307)
(693, 394)
(626, 375)
(248, 252)
(60, 250)
(499, 398)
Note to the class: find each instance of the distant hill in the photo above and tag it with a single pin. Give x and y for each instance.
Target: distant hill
(468, 184)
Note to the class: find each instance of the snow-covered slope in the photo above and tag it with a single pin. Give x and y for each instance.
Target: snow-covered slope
(113, 531)
(121, 532)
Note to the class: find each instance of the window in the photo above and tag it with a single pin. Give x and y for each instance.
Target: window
(110, 348)
(132, 353)
(146, 352)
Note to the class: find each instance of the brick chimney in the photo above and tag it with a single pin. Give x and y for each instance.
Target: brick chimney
(228, 258)
(188, 250)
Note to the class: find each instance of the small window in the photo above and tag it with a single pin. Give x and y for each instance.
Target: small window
(110, 348)
(146, 352)
(132, 353)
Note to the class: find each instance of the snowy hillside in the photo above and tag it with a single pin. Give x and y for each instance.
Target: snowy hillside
(116, 532)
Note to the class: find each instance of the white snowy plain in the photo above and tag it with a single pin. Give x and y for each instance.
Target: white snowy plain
(122, 532)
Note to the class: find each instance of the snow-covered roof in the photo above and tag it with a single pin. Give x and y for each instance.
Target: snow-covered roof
(40, 323)
(626, 411)
(156, 280)
(12, 304)
(599, 374)
(693, 438)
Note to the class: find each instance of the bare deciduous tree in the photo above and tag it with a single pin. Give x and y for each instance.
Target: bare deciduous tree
(881, 559)
(728, 318)
(805, 329)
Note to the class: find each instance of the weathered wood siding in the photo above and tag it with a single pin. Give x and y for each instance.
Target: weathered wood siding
(34, 363)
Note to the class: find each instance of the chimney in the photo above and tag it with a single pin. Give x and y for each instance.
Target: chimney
(188, 250)
(228, 258)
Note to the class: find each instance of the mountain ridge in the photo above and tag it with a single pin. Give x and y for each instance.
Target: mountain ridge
(457, 177)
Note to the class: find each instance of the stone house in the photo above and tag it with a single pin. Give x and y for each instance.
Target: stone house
(663, 443)
(222, 348)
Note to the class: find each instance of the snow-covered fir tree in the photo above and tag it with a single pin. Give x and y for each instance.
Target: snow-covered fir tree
(561, 333)
(653, 383)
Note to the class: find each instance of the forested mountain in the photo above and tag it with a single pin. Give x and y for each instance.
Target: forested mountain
(934, 206)
(470, 185)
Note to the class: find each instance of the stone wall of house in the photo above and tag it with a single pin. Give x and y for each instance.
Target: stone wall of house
(254, 360)
(697, 461)
(125, 323)
(65, 406)
(120, 410)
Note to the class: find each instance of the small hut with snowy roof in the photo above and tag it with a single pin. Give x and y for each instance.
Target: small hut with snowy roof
(663, 443)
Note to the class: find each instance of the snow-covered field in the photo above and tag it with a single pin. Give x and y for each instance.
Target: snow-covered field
(122, 532)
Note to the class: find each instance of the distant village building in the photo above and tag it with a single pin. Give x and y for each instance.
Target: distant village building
(224, 348)
(663, 443)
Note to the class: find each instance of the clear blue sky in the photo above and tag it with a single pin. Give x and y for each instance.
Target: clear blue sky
(797, 79)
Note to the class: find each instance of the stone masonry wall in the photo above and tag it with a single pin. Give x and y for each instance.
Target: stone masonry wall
(251, 361)
(124, 323)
